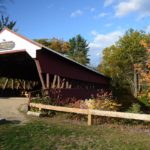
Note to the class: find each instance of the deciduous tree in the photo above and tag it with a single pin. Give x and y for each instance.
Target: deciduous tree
(119, 60)
(76, 49)
(55, 44)
(143, 68)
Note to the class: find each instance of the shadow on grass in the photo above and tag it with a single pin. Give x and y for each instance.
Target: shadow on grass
(4, 122)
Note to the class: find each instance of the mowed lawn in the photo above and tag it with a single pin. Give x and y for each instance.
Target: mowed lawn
(49, 135)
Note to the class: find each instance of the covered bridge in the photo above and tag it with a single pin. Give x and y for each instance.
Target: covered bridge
(38, 67)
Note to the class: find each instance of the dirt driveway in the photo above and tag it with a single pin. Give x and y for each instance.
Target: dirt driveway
(9, 109)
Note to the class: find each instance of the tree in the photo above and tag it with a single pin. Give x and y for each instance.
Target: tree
(78, 50)
(143, 69)
(55, 44)
(45, 42)
(5, 22)
(119, 60)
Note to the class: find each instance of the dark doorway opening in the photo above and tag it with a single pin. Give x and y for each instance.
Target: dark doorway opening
(18, 74)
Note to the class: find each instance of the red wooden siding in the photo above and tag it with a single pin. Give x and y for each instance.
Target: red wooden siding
(55, 64)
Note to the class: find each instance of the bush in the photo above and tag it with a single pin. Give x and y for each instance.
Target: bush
(96, 104)
(135, 108)
(43, 100)
(143, 98)
(102, 101)
(53, 101)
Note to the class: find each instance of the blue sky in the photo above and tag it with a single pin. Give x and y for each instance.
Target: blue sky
(100, 22)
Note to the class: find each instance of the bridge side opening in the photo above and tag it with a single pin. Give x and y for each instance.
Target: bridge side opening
(18, 74)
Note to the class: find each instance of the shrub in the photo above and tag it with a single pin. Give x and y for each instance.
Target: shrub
(103, 95)
(96, 104)
(102, 101)
(52, 101)
(135, 108)
(143, 98)
(43, 100)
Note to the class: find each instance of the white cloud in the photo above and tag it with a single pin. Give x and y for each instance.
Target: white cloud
(108, 2)
(126, 7)
(148, 29)
(101, 15)
(101, 41)
(92, 9)
(76, 13)
(104, 40)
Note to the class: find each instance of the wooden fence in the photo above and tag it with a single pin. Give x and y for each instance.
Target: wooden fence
(90, 112)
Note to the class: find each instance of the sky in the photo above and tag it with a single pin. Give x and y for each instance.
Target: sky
(100, 22)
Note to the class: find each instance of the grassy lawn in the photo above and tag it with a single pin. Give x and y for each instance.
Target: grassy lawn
(50, 135)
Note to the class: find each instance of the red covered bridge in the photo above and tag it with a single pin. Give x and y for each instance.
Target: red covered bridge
(38, 67)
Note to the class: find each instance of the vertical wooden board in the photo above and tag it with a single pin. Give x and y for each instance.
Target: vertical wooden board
(54, 81)
(48, 80)
(62, 84)
(12, 84)
(89, 119)
(58, 81)
(67, 84)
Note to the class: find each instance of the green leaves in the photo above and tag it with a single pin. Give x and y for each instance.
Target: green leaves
(55, 44)
(119, 59)
(78, 49)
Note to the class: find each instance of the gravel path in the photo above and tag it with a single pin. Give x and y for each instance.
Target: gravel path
(9, 109)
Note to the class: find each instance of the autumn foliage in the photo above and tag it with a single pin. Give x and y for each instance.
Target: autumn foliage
(144, 69)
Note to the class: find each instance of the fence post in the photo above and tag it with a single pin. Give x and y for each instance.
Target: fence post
(89, 118)
(29, 101)
(40, 107)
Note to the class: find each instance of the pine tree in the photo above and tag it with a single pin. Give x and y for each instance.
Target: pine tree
(5, 22)
(79, 50)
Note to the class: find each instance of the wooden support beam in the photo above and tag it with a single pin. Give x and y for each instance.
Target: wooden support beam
(54, 81)
(21, 85)
(24, 84)
(62, 84)
(5, 84)
(18, 84)
(70, 86)
(30, 87)
(27, 85)
(47, 81)
(40, 73)
(67, 84)
(12, 84)
(58, 81)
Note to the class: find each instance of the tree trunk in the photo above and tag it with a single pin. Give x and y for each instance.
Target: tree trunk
(135, 83)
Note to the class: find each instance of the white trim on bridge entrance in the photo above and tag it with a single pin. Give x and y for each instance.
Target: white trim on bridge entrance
(7, 37)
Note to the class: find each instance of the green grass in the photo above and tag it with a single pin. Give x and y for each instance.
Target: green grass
(51, 135)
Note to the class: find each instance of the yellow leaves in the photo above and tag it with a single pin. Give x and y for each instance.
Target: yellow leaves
(144, 70)
(102, 104)
(65, 47)
(102, 101)
(55, 44)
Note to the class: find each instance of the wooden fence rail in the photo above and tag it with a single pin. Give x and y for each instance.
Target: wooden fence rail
(90, 112)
